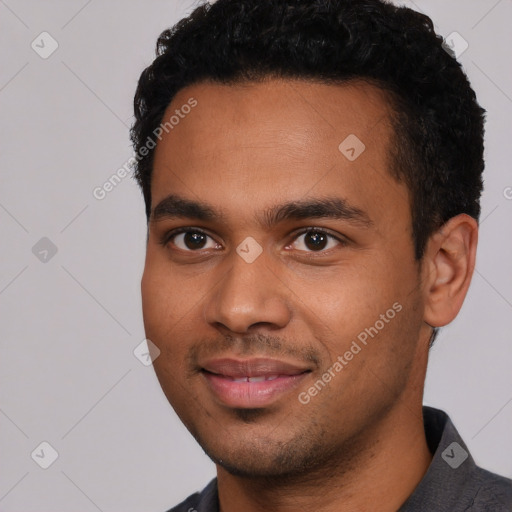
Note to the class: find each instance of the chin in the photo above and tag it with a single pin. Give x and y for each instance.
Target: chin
(267, 458)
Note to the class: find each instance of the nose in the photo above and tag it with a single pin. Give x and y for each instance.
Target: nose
(248, 297)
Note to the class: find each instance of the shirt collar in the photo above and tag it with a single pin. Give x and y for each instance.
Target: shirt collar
(444, 487)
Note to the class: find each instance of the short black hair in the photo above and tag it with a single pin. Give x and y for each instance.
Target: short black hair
(438, 125)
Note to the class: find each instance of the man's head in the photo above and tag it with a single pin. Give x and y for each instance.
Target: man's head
(312, 203)
(438, 126)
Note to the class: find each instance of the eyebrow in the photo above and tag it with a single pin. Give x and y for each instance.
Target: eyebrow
(174, 206)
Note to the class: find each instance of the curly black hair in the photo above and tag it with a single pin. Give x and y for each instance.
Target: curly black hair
(438, 124)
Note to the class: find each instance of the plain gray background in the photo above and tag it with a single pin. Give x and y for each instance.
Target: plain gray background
(71, 322)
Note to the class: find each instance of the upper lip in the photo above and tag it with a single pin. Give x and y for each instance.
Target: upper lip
(256, 367)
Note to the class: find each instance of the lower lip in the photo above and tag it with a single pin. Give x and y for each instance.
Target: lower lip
(251, 395)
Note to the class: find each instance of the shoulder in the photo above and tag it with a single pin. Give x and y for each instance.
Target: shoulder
(453, 481)
(205, 501)
(493, 492)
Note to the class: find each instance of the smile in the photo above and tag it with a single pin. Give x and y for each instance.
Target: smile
(254, 383)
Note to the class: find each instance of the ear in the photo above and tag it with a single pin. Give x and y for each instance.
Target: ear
(449, 261)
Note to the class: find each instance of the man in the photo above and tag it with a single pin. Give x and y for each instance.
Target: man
(312, 173)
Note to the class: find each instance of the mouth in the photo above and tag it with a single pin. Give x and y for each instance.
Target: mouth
(251, 383)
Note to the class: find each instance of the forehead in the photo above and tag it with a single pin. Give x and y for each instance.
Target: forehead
(262, 143)
(298, 111)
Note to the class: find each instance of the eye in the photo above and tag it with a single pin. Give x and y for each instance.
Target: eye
(190, 240)
(316, 240)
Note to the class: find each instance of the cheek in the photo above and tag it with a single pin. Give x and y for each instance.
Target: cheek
(155, 299)
(370, 301)
(165, 314)
(172, 309)
(167, 295)
(346, 297)
(161, 307)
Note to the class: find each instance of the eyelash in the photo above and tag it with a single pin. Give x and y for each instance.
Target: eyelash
(341, 241)
(167, 237)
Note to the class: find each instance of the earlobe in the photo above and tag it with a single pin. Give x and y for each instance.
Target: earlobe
(449, 263)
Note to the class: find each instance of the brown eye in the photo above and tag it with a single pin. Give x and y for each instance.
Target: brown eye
(315, 241)
(192, 240)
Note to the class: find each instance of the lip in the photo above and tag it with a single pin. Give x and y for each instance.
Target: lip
(251, 383)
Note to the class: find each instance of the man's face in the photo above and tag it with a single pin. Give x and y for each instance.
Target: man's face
(279, 254)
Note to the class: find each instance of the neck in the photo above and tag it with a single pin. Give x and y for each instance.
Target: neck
(381, 466)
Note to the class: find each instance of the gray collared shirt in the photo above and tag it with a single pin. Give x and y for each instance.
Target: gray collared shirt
(452, 483)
